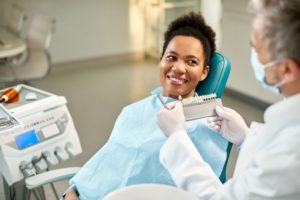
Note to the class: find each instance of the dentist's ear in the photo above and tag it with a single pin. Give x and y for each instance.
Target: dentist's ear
(204, 72)
(292, 70)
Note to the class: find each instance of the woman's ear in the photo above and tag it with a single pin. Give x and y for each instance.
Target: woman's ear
(204, 73)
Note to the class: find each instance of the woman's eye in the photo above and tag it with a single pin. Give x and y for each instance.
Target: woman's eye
(171, 58)
(192, 62)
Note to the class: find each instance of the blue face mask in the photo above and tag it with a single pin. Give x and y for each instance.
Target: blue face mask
(259, 71)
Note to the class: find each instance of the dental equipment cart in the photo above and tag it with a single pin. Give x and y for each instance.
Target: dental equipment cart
(36, 132)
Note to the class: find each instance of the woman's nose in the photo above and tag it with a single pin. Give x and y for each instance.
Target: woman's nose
(179, 67)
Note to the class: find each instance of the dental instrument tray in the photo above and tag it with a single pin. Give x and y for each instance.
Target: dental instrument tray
(200, 106)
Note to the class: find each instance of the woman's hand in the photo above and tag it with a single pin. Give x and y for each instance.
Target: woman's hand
(71, 195)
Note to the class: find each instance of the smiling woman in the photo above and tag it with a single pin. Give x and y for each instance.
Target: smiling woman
(131, 155)
(182, 67)
(189, 44)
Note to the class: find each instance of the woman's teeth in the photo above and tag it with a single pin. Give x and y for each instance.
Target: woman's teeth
(179, 81)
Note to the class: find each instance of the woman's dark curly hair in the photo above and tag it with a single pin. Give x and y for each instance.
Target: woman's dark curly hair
(192, 24)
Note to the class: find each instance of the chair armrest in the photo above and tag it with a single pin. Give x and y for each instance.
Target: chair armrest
(50, 177)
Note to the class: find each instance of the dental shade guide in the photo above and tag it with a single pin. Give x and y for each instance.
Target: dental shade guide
(200, 107)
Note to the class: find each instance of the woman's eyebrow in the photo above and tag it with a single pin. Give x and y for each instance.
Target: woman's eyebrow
(194, 57)
(172, 52)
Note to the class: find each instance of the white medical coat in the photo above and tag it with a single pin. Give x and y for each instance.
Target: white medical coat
(268, 166)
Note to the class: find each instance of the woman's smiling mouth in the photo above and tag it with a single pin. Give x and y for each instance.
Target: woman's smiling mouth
(176, 81)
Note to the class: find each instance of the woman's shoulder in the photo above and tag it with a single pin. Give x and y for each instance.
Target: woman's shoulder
(147, 101)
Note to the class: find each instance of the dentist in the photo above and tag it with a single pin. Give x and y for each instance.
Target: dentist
(268, 166)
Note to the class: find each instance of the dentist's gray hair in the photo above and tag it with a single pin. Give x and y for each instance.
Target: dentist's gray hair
(281, 26)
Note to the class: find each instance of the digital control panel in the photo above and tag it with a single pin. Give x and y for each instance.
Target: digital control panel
(27, 139)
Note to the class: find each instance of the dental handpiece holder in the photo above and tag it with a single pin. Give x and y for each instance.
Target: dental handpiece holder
(41, 136)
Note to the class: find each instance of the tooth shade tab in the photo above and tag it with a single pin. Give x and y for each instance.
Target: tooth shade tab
(199, 99)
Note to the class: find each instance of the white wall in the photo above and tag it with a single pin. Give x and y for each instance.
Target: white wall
(212, 11)
(87, 28)
(236, 31)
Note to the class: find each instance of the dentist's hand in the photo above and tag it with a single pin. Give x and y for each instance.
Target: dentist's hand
(171, 121)
(230, 124)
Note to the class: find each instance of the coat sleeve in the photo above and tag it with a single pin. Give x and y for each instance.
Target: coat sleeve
(270, 175)
(187, 168)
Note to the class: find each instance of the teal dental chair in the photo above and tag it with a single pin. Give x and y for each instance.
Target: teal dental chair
(215, 82)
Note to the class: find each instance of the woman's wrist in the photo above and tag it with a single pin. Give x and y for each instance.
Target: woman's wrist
(71, 194)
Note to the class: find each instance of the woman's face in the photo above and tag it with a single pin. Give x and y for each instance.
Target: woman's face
(181, 67)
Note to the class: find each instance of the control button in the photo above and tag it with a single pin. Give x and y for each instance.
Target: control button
(40, 164)
(70, 149)
(27, 169)
(61, 154)
(50, 158)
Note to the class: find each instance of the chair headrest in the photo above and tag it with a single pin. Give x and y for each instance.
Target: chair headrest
(217, 77)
